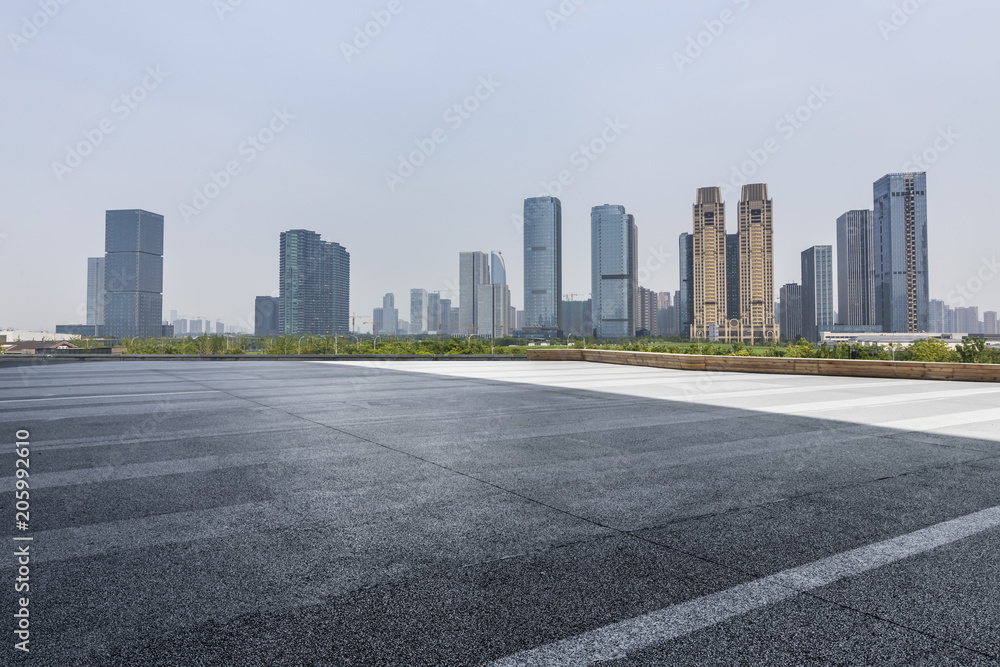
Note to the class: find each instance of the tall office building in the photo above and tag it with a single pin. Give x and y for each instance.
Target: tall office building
(418, 311)
(542, 264)
(990, 323)
(614, 244)
(685, 295)
(935, 317)
(709, 249)
(314, 285)
(855, 269)
(498, 268)
(791, 312)
(385, 320)
(473, 271)
(95, 291)
(756, 267)
(449, 318)
(900, 253)
(493, 311)
(733, 276)
(576, 318)
(265, 322)
(434, 313)
(817, 291)
(133, 274)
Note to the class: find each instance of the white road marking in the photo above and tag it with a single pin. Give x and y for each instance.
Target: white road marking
(616, 640)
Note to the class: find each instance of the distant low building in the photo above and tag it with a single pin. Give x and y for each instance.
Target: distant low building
(38, 347)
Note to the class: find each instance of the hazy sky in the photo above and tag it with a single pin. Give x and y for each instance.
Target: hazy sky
(183, 86)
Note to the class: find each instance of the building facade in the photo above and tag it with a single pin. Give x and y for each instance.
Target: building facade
(900, 253)
(817, 292)
(614, 280)
(791, 312)
(542, 265)
(265, 318)
(709, 252)
(133, 274)
(756, 268)
(314, 285)
(95, 291)
(855, 269)
(494, 311)
(473, 271)
(684, 302)
(418, 311)
(385, 320)
(498, 268)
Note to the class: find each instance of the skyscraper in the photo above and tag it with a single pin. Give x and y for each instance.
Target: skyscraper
(265, 316)
(791, 312)
(418, 311)
(498, 268)
(935, 318)
(817, 291)
(385, 320)
(613, 274)
(95, 291)
(685, 295)
(855, 269)
(900, 252)
(434, 313)
(473, 271)
(493, 304)
(709, 251)
(756, 267)
(133, 276)
(314, 285)
(990, 323)
(542, 264)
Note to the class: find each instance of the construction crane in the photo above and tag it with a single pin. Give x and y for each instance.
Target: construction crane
(354, 319)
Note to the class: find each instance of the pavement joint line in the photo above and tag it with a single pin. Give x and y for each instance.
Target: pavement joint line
(88, 397)
(616, 640)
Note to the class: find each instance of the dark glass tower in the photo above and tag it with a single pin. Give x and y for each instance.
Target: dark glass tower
(614, 244)
(900, 253)
(855, 269)
(133, 278)
(315, 284)
(542, 264)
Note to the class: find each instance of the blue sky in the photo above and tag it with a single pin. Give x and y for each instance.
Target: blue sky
(279, 116)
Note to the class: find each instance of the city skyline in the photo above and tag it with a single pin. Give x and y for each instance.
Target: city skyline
(190, 114)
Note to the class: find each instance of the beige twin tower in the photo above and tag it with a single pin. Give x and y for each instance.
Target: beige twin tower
(755, 321)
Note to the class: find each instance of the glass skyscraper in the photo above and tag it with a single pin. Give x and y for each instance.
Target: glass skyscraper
(685, 296)
(265, 316)
(473, 271)
(614, 243)
(855, 269)
(900, 253)
(95, 291)
(498, 268)
(542, 264)
(133, 274)
(314, 285)
(817, 291)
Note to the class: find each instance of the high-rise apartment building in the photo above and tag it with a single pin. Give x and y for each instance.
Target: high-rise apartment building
(709, 241)
(685, 295)
(418, 311)
(756, 267)
(473, 271)
(791, 312)
(314, 285)
(266, 322)
(855, 269)
(542, 264)
(900, 253)
(647, 312)
(990, 323)
(817, 291)
(133, 274)
(614, 240)
(385, 320)
(95, 291)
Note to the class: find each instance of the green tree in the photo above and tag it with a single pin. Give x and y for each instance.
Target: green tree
(930, 349)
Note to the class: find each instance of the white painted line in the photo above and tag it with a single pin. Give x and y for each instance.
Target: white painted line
(88, 397)
(615, 641)
(951, 419)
